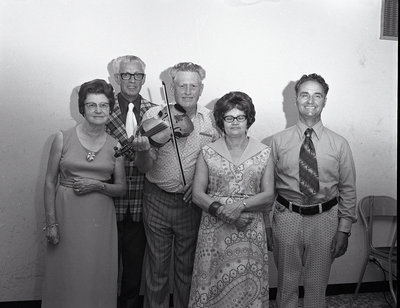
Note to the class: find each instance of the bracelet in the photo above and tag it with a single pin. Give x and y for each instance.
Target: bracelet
(347, 233)
(50, 226)
(213, 208)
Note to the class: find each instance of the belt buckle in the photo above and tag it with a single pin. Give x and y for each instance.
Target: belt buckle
(290, 206)
(319, 208)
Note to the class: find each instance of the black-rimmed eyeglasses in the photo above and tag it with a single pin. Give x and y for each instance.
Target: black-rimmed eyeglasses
(128, 76)
(239, 118)
(94, 106)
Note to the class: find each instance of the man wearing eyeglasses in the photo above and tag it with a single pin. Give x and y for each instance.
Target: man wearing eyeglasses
(129, 73)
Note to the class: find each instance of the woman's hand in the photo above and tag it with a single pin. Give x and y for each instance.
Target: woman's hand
(231, 212)
(52, 234)
(83, 186)
(243, 221)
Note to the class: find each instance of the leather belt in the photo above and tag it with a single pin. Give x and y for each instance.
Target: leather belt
(309, 210)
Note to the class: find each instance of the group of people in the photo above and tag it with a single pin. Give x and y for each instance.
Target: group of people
(212, 200)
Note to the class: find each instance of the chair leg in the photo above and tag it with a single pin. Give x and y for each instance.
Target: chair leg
(366, 260)
(394, 296)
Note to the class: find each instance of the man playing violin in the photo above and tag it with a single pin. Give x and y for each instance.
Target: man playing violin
(170, 222)
(130, 76)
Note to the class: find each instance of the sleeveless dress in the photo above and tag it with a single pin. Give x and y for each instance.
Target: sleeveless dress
(81, 271)
(231, 266)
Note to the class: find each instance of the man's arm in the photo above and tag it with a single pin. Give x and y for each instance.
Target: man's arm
(347, 202)
(145, 154)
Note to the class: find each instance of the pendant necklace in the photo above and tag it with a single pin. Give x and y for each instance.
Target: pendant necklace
(90, 156)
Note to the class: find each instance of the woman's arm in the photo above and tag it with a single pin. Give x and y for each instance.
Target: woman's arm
(260, 202)
(200, 184)
(116, 189)
(204, 201)
(264, 200)
(50, 189)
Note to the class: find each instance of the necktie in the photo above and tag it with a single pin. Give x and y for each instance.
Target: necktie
(131, 123)
(308, 166)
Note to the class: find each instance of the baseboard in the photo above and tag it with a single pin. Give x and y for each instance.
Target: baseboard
(333, 289)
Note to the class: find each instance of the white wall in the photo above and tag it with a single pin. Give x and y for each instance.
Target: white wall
(48, 48)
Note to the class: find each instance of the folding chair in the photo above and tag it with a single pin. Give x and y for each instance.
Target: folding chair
(372, 209)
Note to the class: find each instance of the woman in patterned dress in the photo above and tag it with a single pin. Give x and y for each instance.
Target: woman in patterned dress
(233, 185)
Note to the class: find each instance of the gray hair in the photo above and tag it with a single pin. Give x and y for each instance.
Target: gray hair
(187, 67)
(116, 63)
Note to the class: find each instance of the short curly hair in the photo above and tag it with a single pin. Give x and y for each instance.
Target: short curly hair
(187, 67)
(231, 100)
(312, 77)
(96, 86)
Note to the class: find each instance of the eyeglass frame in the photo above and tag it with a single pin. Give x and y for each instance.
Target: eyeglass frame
(134, 75)
(243, 116)
(93, 106)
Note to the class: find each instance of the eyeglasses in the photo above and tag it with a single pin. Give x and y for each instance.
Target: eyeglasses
(93, 106)
(239, 118)
(128, 76)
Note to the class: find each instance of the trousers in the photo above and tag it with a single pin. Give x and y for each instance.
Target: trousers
(302, 250)
(131, 249)
(171, 228)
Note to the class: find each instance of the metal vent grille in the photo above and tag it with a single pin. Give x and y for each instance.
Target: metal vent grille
(390, 20)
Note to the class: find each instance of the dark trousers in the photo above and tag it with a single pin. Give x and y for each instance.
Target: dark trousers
(131, 248)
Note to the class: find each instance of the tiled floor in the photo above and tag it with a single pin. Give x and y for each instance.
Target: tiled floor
(363, 300)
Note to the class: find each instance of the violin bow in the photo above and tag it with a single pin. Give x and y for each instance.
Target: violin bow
(173, 135)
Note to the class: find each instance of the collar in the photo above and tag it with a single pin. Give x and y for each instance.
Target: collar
(253, 147)
(123, 102)
(301, 128)
(202, 110)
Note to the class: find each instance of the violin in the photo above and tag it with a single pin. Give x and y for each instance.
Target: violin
(159, 129)
(169, 124)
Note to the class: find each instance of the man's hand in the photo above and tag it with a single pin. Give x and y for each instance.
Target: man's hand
(339, 244)
(187, 195)
(141, 144)
(270, 239)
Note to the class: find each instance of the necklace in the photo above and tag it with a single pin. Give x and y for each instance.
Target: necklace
(90, 156)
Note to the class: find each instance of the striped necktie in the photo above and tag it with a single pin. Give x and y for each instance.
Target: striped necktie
(308, 166)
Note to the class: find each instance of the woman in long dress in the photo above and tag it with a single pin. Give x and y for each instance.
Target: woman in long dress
(82, 177)
(233, 185)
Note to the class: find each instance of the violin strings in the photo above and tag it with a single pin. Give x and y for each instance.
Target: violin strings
(156, 129)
